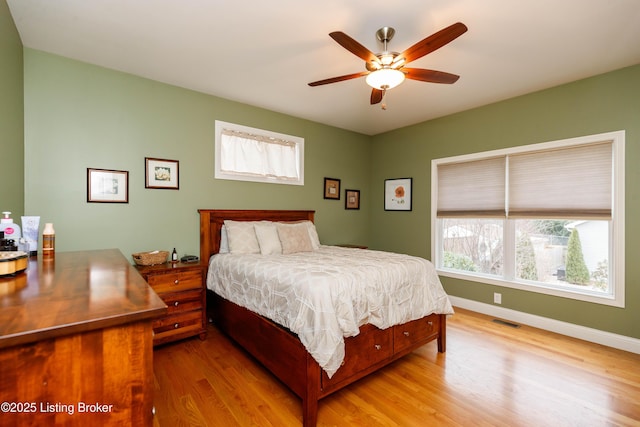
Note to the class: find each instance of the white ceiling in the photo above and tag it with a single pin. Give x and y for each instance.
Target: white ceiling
(264, 53)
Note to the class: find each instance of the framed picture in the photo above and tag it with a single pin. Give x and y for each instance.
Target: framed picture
(397, 194)
(161, 173)
(332, 188)
(352, 199)
(107, 186)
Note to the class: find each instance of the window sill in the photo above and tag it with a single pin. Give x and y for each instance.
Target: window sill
(604, 299)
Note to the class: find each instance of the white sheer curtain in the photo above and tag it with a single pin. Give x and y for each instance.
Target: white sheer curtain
(256, 155)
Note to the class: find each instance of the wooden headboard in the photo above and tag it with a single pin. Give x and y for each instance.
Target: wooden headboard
(211, 221)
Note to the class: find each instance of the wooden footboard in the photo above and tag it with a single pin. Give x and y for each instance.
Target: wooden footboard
(280, 351)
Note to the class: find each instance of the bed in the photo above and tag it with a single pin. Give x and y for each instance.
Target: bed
(281, 350)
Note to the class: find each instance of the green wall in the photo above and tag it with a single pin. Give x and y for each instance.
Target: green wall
(603, 103)
(11, 116)
(80, 116)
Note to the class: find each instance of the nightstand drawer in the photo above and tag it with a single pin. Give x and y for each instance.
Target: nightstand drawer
(177, 322)
(183, 301)
(176, 281)
(181, 287)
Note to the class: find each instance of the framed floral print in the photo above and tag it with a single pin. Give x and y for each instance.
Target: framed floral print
(397, 194)
(161, 173)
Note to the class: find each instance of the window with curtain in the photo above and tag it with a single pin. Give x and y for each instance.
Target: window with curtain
(249, 154)
(545, 217)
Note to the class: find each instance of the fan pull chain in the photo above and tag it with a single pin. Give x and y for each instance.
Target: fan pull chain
(383, 104)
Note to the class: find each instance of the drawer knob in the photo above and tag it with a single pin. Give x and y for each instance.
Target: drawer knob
(175, 282)
(176, 303)
(176, 326)
(430, 323)
(377, 346)
(406, 333)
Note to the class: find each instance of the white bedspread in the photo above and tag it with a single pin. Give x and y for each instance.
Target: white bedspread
(325, 295)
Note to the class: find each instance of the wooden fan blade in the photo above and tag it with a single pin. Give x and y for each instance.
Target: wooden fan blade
(431, 76)
(353, 46)
(376, 96)
(433, 42)
(339, 79)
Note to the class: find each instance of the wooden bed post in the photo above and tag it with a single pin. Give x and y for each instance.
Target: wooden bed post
(312, 394)
(205, 236)
(442, 334)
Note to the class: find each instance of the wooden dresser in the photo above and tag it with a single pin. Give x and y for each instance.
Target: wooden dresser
(181, 286)
(76, 343)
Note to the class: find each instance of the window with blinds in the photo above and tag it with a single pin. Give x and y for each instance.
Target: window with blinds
(547, 217)
(571, 181)
(249, 154)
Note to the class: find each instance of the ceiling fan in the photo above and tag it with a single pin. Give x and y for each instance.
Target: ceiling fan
(387, 69)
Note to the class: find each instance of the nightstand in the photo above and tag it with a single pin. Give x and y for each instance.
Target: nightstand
(353, 246)
(181, 287)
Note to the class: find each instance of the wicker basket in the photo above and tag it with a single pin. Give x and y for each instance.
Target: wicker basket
(150, 258)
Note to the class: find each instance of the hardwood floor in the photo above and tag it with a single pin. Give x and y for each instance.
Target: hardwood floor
(491, 375)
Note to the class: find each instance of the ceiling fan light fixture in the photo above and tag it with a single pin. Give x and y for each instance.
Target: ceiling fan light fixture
(398, 61)
(386, 59)
(385, 78)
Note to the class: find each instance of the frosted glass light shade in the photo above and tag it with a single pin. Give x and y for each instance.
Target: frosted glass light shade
(385, 78)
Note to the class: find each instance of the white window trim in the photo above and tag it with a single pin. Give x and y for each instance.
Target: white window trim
(220, 174)
(617, 231)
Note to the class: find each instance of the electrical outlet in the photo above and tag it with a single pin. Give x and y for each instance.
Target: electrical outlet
(497, 298)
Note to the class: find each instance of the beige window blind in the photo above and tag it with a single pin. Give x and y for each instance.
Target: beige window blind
(472, 189)
(570, 182)
(566, 182)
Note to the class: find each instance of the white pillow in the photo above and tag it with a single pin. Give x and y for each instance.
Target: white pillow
(224, 241)
(268, 239)
(294, 238)
(242, 237)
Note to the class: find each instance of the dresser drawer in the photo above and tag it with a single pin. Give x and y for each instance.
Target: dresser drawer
(175, 281)
(183, 301)
(362, 351)
(415, 332)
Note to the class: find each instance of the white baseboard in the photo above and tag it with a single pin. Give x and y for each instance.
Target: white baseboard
(609, 339)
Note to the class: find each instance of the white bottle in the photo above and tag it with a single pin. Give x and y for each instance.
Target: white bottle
(11, 230)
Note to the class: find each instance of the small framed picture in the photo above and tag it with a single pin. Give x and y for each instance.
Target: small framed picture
(397, 194)
(352, 199)
(332, 188)
(161, 173)
(107, 186)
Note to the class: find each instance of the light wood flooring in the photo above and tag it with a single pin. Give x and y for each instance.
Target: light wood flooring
(491, 375)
